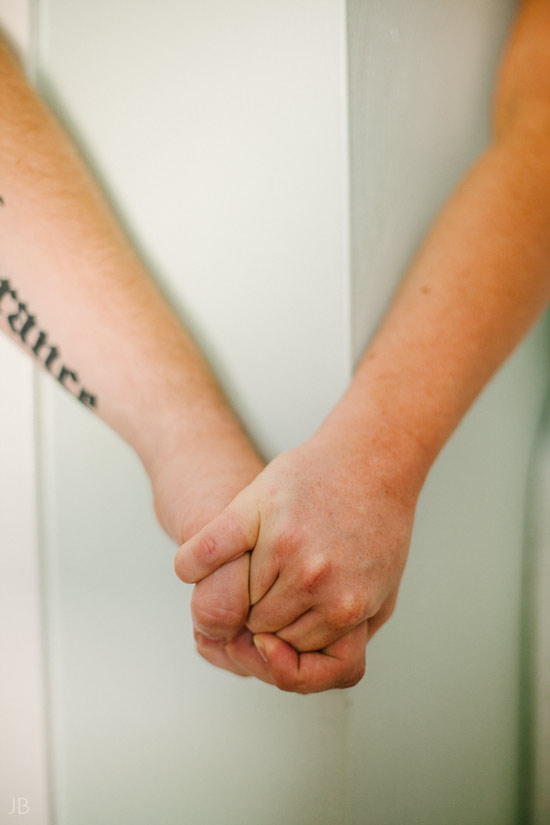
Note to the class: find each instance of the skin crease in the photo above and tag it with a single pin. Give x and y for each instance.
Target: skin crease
(330, 522)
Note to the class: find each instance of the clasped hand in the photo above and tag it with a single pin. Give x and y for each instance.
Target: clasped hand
(300, 570)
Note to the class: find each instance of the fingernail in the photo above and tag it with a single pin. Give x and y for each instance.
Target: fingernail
(260, 647)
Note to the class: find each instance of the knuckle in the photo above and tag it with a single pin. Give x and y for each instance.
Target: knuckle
(207, 548)
(347, 611)
(314, 570)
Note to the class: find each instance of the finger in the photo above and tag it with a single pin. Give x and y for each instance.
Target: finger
(292, 593)
(264, 566)
(311, 631)
(244, 654)
(332, 614)
(214, 652)
(227, 537)
(340, 665)
(220, 601)
(281, 606)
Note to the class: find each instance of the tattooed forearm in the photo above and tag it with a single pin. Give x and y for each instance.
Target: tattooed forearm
(25, 327)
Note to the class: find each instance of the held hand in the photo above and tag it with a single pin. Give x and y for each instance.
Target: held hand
(268, 658)
(219, 606)
(186, 498)
(329, 531)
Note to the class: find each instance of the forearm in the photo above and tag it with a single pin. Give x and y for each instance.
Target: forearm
(478, 283)
(75, 296)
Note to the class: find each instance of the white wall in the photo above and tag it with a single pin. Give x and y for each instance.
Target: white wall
(221, 130)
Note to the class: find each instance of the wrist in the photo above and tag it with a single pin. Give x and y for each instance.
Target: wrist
(378, 447)
(193, 481)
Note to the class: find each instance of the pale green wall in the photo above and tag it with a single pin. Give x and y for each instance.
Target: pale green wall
(434, 725)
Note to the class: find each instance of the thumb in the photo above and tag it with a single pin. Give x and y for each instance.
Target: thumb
(275, 652)
(220, 601)
(228, 536)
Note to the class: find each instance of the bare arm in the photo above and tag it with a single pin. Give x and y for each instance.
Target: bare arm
(331, 521)
(74, 295)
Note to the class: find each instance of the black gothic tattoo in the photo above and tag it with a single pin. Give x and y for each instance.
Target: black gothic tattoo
(25, 326)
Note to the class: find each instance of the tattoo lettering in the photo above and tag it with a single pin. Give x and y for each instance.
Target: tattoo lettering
(24, 325)
(5, 289)
(28, 322)
(87, 399)
(65, 373)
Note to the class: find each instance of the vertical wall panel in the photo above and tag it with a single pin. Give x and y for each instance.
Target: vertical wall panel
(434, 726)
(220, 129)
(536, 637)
(23, 769)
